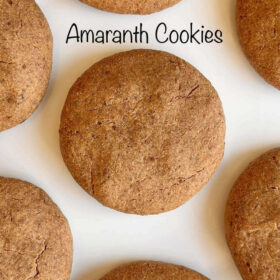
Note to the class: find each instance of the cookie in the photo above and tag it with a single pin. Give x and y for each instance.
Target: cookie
(35, 239)
(131, 6)
(152, 271)
(25, 60)
(258, 26)
(142, 131)
(252, 219)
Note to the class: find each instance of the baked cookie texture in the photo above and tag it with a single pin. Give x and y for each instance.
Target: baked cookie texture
(142, 131)
(35, 238)
(258, 25)
(151, 270)
(25, 60)
(252, 219)
(131, 6)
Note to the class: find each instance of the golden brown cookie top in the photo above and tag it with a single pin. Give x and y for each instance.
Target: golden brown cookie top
(258, 25)
(35, 238)
(131, 6)
(25, 60)
(142, 131)
(252, 219)
(149, 270)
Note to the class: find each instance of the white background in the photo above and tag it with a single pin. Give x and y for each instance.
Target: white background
(192, 235)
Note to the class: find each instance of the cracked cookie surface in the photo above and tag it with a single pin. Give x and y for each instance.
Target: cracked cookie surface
(25, 60)
(35, 238)
(153, 271)
(131, 6)
(252, 219)
(142, 131)
(258, 26)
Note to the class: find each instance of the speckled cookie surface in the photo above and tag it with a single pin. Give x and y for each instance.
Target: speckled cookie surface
(253, 219)
(148, 270)
(258, 25)
(142, 131)
(131, 6)
(35, 239)
(25, 60)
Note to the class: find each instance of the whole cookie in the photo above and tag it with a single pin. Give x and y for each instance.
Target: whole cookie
(35, 239)
(152, 271)
(25, 60)
(142, 131)
(252, 219)
(258, 25)
(131, 6)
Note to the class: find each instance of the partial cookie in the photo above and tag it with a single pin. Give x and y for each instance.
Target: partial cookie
(25, 60)
(35, 238)
(258, 25)
(131, 6)
(152, 271)
(252, 219)
(142, 131)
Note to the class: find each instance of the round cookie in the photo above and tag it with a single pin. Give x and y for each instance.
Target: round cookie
(152, 271)
(142, 131)
(25, 60)
(131, 6)
(258, 26)
(252, 219)
(35, 238)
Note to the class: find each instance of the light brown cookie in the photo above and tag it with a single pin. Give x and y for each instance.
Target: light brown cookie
(131, 6)
(252, 219)
(258, 25)
(142, 131)
(25, 60)
(152, 271)
(35, 239)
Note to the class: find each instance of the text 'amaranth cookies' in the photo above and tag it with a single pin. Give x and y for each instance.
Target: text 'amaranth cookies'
(142, 131)
(258, 25)
(252, 219)
(132, 6)
(25, 60)
(153, 271)
(35, 238)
